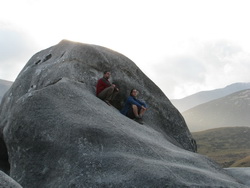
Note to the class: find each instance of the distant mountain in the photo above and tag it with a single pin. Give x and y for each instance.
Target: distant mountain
(230, 111)
(4, 86)
(228, 146)
(206, 96)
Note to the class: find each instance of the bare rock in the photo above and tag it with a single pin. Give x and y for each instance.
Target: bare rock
(8, 182)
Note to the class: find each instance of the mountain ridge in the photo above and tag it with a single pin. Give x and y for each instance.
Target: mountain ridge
(229, 111)
(206, 96)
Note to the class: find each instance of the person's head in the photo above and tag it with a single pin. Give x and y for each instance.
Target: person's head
(133, 92)
(106, 74)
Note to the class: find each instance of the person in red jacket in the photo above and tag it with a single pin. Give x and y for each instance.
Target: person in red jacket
(105, 90)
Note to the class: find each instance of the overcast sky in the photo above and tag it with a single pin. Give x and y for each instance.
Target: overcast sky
(184, 46)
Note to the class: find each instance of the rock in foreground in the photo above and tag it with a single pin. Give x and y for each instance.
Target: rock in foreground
(242, 174)
(58, 134)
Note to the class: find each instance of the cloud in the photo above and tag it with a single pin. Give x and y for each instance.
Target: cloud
(177, 74)
(225, 63)
(209, 65)
(15, 50)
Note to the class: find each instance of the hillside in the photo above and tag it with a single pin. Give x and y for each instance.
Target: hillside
(242, 163)
(230, 146)
(230, 111)
(4, 86)
(206, 96)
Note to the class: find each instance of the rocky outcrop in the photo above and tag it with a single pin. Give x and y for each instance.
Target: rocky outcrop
(58, 134)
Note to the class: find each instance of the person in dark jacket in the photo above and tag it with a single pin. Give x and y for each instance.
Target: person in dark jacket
(105, 90)
(134, 108)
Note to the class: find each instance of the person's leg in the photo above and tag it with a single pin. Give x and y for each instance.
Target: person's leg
(113, 95)
(130, 113)
(135, 110)
(137, 117)
(141, 112)
(106, 93)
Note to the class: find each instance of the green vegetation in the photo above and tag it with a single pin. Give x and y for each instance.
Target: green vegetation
(230, 146)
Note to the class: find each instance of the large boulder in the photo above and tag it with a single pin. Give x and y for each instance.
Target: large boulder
(58, 134)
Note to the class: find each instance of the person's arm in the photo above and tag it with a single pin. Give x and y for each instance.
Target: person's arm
(116, 88)
(142, 103)
(131, 100)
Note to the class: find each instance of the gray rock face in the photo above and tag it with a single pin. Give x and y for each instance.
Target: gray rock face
(58, 134)
(8, 182)
(4, 86)
(242, 174)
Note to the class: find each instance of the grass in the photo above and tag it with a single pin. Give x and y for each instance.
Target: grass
(229, 147)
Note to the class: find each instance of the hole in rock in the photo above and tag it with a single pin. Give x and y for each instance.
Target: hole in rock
(38, 62)
(47, 57)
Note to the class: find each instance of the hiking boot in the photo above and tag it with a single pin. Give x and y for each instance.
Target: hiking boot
(139, 120)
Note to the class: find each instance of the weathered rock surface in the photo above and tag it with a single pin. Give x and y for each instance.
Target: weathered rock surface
(4, 86)
(242, 174)
(8, 182)
(58, 134)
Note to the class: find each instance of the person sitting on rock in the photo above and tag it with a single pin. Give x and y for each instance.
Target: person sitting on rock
(134, 108)
(105, 90)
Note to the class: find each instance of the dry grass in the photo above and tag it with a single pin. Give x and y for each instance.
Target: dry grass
(230, 147)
